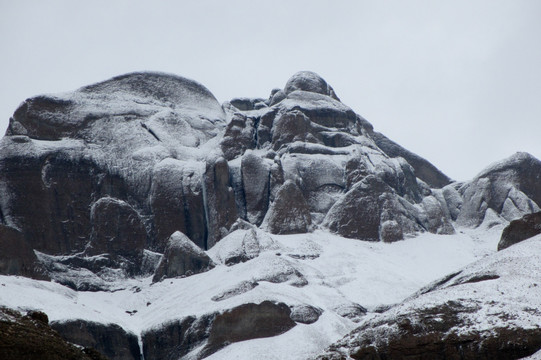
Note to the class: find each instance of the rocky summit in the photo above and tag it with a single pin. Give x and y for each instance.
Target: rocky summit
(248, 222)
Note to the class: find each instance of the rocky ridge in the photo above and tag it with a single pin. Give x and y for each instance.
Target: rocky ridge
(146, 175)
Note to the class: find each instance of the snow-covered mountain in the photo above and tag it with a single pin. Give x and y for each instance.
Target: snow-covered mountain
(147, 220)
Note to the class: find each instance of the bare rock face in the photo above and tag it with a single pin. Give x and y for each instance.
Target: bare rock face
(200, 337)
(182, 258)
(109, 339)
(30, 337)
(117, 230)
(255, 179)
(221, 208)
(239, 136)
(248, 321)
(288, 214)
(521, 229)
(176, 199)
(17, 256)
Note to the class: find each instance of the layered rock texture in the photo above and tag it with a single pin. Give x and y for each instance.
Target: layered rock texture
(489, 310)
(147, 176)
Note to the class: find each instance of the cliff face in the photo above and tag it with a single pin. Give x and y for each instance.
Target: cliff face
(96, 183)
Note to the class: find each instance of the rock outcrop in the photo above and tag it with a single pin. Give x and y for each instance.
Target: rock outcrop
(521, 229)
(109, 339)
(30, 337)
(489, 310)
(199, 337)
(509, 188)
(114, 168)
(182, 258)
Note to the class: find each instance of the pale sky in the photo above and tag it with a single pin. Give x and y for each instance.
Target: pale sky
(457, 82)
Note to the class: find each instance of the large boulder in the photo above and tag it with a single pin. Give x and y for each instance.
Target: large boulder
(199, 337)
(521, 229)
(248, 321)
(110, 340)
(182, 258)
(309, 81)
(289, 213)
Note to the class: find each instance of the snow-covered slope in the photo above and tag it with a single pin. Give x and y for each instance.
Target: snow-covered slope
(318, 269)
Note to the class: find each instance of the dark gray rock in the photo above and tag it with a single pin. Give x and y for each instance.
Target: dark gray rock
(521, 229)
(305, 314)
(357, 214)
(30, 337)
(109, 339)
(17, 256)
(290, 127)
(289, 213)
(248, 321)
(240, 288)
(239, 136)
(255, 179)
(175, 339)
(309, 81)
(117, 230)
(182, 258)
(176, 201)
(221, 208)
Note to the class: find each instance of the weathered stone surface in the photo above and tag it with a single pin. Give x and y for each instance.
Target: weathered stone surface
(109, 339)
(309, 81)
(30, 337)
(182, 258)
(255, 179)
(289, 213)
(357, 214)
(510, 188)
(117, 230)
(177, 338)
(488, 310)
(239, 136)
(424, 170)
(220, 200)
(203, 336)
(521, 229)
(17, 256)
(290, 127)
(305, 314)
(248, 321)
(176, 200)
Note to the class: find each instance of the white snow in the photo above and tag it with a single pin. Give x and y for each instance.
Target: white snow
(338, 271)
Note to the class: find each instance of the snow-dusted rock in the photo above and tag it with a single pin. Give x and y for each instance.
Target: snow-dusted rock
(309, 81)
(520, 229)
(119, 344)
(289, 213)
(182, 258)
(221, 210)
(255, 180)
(117, 230)
(489, 310)
(510, 188)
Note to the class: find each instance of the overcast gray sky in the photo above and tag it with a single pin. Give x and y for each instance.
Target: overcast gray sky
(457, 82)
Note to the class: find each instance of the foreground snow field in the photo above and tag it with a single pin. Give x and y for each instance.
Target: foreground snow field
(325, 271)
